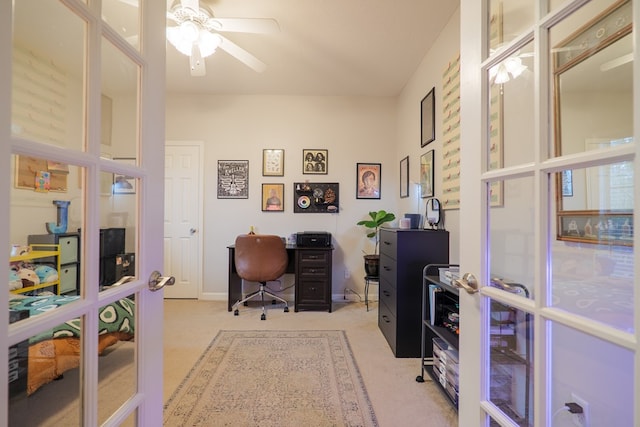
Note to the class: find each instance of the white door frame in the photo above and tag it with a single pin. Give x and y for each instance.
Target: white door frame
(474, 230)
(149, 316)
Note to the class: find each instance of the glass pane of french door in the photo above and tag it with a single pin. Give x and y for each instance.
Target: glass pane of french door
(48, 74)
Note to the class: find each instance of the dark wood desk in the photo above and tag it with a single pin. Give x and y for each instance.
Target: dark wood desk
(312, 268)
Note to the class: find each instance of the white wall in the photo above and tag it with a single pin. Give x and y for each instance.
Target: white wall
(428, 75)
(352, 129)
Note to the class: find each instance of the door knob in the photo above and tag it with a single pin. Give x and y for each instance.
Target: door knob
(468, 282)
(157, 281)
(192, 231)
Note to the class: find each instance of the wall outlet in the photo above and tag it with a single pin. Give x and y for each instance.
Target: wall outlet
(581, 420)
(347, 274)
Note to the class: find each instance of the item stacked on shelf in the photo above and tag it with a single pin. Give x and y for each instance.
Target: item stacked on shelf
(448, 274)
(444, 309)
(35, 269)
(445, 367)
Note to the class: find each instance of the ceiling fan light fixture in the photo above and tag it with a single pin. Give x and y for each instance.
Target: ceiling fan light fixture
(208, 43)
(502, 75)
(514, 66)
(184, 36)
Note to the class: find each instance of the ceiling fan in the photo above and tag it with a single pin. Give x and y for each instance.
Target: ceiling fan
(197, 34)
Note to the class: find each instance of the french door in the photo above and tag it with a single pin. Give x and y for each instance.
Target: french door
(549, 130)
(81, 117)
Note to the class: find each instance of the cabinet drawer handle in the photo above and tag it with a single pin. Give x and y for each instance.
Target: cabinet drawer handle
(385, 318)
(386, 293)
(386, 268)
(386, 243)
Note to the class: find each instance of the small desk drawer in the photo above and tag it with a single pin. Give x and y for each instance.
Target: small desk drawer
(314, 257)
(313, 291)
(388, 269)
(388, 243)
(388, 296)
(313, 271)
(387, 323)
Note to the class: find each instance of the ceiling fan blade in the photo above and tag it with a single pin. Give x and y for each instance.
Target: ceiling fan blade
(621, 60)
(191, 4)
(244, 25)
(196, 61)
(134, 3)
(242, 55)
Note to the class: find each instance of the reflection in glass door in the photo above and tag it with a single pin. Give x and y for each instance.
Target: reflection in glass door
(76, 345)
(555, 252)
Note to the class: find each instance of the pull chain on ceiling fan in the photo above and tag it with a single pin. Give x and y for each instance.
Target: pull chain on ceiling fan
(197, 34)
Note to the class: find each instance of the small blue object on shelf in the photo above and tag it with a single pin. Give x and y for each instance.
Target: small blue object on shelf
(63, 215)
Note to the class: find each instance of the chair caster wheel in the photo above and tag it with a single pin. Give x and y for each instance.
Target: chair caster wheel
(263, 317)
(236, 312)
(419, 379)
(246, 303)
(286, 309)
(273, 302)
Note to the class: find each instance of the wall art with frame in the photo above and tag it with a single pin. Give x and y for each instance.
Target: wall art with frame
(368, 180)
(272, 162)
(273, 197)
(124, 184)
(315, 162)
(428, 118)
(233, 179)
(40, 175)
(611, 228)
(404, 177)
(316, 197)
(426, 174)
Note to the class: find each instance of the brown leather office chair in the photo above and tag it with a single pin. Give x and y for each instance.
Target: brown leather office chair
(260, 258)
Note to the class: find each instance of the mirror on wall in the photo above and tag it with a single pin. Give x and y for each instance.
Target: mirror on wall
(593, 100)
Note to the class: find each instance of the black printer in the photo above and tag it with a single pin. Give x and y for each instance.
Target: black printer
(313, 239)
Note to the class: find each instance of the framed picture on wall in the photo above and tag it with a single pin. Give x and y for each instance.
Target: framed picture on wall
(315, 162)
(404, 177)
(428, 118)
(368, 176)
(426, 175)
(233, 179)
(124, 184)
(272, 162)
(273, 197)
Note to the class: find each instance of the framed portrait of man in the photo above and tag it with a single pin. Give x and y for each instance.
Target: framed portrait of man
(368, 176)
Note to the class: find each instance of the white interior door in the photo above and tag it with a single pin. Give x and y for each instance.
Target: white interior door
(80, 115)
(557, 297)
(183, 218)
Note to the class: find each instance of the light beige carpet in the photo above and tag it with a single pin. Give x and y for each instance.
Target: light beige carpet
(273, 378)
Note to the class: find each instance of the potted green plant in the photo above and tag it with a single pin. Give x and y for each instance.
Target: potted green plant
(378, 218)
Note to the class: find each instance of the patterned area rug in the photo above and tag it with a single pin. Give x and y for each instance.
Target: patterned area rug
(273, 378)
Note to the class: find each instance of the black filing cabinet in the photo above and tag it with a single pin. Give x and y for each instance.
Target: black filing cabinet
(69, 244)
(403, 255)
(313, 278)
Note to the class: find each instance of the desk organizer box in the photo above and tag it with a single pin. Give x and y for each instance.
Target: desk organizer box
(447, 275)
(445, 366)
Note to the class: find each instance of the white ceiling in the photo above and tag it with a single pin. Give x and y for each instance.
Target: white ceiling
(325, 47)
